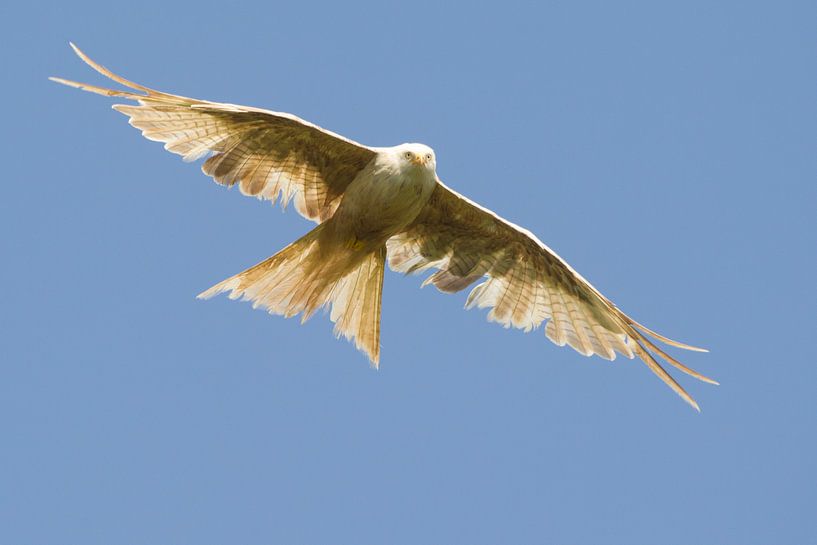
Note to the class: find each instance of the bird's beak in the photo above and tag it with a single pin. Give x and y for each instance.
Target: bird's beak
(419, 160)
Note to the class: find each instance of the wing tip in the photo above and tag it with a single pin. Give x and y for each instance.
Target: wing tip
(64, 81)
(227, 285)
(662, 338)
(110, 75)
(675, 363)
(85, 58)
(645, 356)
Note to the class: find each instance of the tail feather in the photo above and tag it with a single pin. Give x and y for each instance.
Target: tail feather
(305, 277)
(356, 307)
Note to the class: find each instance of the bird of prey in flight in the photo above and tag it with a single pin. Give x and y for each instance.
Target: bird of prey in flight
(373, 205)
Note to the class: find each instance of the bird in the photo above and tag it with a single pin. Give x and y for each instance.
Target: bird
(373, 206)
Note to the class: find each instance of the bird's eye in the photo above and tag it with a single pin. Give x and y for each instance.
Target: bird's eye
(428, 156)
(408, 155)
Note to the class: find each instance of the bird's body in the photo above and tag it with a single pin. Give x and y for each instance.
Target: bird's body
(375, 205)
(341, 262)
(388, 194)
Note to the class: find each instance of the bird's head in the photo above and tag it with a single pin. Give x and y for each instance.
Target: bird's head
(416, 156)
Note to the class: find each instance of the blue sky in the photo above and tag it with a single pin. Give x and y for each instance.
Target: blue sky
(667, 151)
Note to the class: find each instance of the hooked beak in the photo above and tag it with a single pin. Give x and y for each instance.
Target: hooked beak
(419, 160)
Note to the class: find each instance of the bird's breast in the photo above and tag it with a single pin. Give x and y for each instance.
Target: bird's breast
(378, 204)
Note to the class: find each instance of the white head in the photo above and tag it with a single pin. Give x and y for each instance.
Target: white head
(416, 156)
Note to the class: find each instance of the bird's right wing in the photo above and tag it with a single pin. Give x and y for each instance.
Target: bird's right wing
(524, 282)
(267, 154)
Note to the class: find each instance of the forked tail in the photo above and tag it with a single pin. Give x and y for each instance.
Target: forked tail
(307, 276)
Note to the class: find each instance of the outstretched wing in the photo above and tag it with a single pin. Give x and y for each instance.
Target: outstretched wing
(268, 154)
(524, 282)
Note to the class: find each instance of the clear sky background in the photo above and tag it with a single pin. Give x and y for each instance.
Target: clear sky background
(666, 150)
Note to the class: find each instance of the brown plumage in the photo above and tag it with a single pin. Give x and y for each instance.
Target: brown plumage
(374, 204)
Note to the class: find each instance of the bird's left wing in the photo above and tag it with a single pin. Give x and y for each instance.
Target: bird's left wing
(267, 154)
(524, 282)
